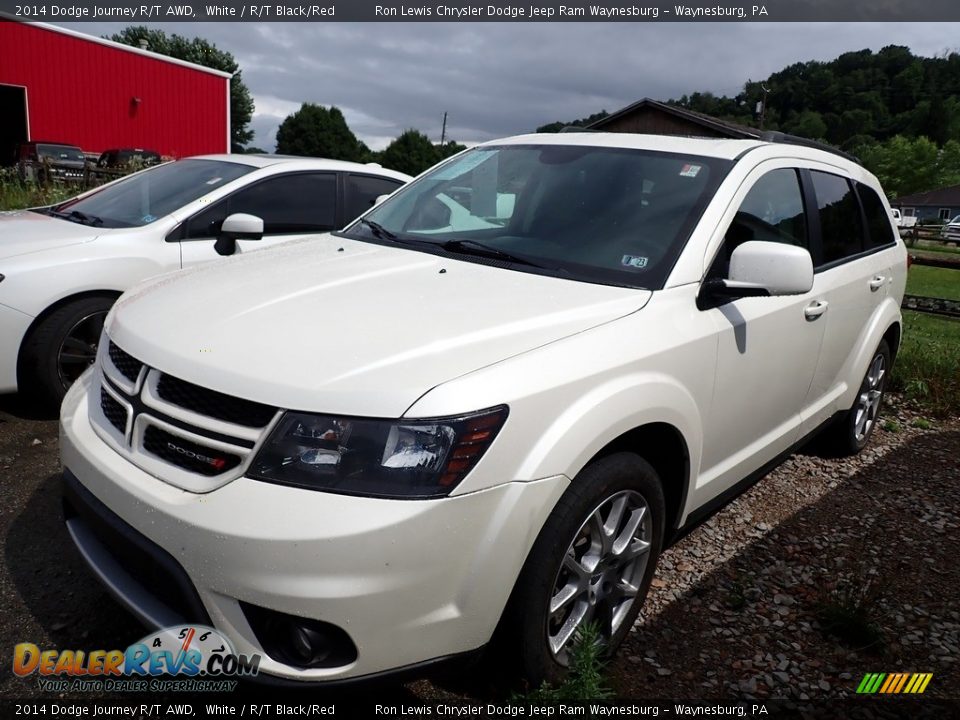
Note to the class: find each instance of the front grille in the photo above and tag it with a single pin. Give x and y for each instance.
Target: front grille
(126, 363)
(214, 404)
(187, 455)
(113, 411)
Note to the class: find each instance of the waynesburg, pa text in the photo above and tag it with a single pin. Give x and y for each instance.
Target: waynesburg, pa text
(538, 12)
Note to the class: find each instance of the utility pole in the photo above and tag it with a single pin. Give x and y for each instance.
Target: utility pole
(763, 104)
(443, 133)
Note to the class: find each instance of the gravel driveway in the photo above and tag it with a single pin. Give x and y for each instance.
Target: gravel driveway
(736, 607)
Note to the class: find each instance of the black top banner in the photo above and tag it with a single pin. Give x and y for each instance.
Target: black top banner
(129, 11)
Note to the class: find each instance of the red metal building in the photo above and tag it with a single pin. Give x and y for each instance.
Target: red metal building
(59, 85)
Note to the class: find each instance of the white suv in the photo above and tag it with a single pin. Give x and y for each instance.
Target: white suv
(482, 409)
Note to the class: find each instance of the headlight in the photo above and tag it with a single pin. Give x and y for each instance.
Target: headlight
(378, 458)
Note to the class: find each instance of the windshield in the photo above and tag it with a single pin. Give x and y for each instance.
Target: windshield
(147, 196)
(60, 152)
(598, 214)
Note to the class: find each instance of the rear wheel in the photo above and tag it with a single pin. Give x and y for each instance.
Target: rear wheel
(850, 434)
(591, 564)
(60, 348)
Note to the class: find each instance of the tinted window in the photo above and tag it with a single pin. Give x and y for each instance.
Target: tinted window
(772, 211)
(299, 203)
(840, 224)
(147, 196)
(362, 192)
(879, 232)
(588, 213)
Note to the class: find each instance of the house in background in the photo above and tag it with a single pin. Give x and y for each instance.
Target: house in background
(61, 86)
(657, 118)
(941, 204)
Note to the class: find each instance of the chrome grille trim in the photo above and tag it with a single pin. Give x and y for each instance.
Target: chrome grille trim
(145, 409)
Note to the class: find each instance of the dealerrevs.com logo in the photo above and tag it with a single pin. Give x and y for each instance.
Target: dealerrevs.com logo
(185, 657)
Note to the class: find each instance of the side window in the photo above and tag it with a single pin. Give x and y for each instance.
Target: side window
(362, 192)
(305, 202)
(840, 224)
(879, 231)
(772, 211)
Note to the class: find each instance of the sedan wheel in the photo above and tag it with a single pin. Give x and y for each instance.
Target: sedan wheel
(78, 350)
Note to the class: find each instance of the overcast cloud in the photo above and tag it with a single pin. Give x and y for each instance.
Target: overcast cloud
(497, 79)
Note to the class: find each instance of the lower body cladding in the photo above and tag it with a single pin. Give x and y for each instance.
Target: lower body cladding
(376, 585)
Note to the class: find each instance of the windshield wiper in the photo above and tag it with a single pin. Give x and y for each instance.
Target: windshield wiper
(472, 247)
(379, 230)
(84, 218)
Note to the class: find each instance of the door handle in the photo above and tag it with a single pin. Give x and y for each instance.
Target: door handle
(815, 309)
(877, 283)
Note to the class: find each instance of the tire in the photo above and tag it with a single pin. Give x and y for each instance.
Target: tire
(59, 348)
(574, 566)
(851, 433)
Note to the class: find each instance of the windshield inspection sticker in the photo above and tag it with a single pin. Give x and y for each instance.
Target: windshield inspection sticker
(148, 218)
(689, 170)
(214, 181)
(634, 261)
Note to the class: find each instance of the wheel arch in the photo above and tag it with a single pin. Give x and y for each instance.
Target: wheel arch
(49, 310)
(663, 446)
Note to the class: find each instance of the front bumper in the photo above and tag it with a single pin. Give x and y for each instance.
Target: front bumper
(13, 326)
(408, 581)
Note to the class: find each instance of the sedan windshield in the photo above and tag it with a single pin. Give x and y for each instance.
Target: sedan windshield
(147, 196)
(599, 214)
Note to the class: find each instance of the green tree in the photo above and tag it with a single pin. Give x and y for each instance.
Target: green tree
(201, 52)
(411, 153)
(317, 131)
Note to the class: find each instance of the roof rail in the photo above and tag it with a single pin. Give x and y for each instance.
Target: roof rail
(775, 136)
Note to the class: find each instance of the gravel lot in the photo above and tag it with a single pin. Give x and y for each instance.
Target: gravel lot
(734, 608)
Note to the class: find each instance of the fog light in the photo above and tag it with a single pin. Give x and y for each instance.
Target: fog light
(300, 642)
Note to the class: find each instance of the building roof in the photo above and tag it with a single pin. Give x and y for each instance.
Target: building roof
(948, 197)
(730, 129)
(4, 17)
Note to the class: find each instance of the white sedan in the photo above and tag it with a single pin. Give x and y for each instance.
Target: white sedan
(62, 267)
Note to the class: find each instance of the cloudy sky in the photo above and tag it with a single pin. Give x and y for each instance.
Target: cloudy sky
(497, 79)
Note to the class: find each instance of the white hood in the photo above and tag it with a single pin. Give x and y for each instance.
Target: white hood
(334, 325)
(23, 231)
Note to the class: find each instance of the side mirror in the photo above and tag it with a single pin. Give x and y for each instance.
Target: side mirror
(238, 226)
(760, 268)
(380, 199)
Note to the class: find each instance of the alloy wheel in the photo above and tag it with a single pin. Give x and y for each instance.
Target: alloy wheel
(601, 573)
(78, 350)
(868, 402)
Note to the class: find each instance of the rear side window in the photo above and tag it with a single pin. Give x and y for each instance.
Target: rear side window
(879, 231)
(362, 192)
(299, 203)
(840, 224)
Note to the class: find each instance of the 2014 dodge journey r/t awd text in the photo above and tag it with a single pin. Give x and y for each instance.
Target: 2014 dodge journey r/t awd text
(481, 410)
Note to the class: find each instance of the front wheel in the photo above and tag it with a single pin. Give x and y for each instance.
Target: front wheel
(591, 564)
(60, 348)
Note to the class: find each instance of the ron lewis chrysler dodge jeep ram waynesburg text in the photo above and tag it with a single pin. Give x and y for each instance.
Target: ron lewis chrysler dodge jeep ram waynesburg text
(483, 408)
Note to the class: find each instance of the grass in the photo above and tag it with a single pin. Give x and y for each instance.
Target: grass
(933, 282)
(891, 426)
(928, 364)
(848, 615)
(16, 194)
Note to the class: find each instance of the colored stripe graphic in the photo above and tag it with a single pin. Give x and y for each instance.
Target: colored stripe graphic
(894, 683)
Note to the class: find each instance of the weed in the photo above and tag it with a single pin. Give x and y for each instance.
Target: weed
(921, 423)
(584, 679)
(891, 426)
(848, 614)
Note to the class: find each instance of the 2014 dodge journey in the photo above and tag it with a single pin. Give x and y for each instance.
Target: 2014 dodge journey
(483, 408)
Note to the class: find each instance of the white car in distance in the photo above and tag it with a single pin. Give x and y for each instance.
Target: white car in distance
(62, 267)
(487, 405)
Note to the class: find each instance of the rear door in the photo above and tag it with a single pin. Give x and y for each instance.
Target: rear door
(362, 191)
(291, 205)
(854, 258)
